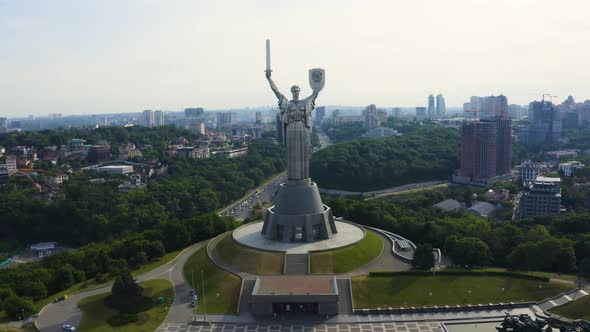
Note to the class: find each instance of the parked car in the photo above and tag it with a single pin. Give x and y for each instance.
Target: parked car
(68, 327)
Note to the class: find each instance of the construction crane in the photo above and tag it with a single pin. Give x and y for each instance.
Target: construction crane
(548, 95)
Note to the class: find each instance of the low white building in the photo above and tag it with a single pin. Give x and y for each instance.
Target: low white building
(116, 169)
(43, 249)
(570, 167)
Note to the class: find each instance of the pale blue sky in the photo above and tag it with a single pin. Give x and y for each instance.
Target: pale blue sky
(83, 56)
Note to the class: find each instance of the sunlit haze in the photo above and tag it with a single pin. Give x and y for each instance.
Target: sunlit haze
(84, 57)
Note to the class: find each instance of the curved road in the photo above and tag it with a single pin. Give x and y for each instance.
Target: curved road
(54, 315)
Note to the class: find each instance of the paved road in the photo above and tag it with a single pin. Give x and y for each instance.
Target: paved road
(265, 193)
(53, 316)
(405, 187)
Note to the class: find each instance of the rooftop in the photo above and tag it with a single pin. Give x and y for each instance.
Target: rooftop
(44, 245)
(448, 205)
(295, 285)
(547, 179)
(483, 209)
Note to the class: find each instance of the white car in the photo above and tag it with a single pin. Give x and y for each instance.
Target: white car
(68, 327)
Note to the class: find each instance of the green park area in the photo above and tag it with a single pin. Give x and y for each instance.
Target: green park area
(249, 260)
(578, 309)
(29, 328)
(97, 315)
(412, 290)
(222, 288)
(93, 283)
(348, 258)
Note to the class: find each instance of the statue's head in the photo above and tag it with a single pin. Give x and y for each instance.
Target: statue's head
(295, 91)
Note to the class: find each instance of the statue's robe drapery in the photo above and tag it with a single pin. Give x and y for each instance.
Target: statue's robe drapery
(296, 117)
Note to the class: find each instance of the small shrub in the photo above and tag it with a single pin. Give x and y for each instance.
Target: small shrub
(122, 319)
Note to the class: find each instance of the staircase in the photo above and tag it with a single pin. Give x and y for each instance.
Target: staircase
(296, 264)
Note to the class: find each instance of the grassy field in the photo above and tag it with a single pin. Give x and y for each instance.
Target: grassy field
(249, 260)
(222, 288)
(95, 313)
(349, 258)
(407, 291)
(578, 309)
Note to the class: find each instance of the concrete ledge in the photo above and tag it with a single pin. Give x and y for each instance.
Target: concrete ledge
(441, 309)
(250, 236)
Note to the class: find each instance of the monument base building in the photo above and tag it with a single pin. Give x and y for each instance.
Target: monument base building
(299, 214)
(295, 295)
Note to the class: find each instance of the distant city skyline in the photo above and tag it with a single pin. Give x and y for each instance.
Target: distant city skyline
(96, 57)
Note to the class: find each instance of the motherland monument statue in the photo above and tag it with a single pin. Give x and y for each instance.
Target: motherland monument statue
(299, 214)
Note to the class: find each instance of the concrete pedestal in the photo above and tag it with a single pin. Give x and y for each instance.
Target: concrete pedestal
(299, 214)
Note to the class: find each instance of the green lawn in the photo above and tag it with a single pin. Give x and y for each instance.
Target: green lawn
(249, 260)
(407, 291)
(578, 309)
(349, 258)
(95, 313)
(222, 289)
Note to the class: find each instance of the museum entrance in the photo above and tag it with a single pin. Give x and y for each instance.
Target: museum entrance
(298, 233)
(294, 308)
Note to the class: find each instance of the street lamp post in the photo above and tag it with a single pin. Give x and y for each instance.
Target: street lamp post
(203, 288)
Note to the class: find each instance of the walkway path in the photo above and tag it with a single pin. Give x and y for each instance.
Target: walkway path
(278, 326)
(387, 261)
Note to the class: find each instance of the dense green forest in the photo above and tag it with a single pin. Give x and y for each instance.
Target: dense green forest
(562, 241)
(427, 153)
(115, 231)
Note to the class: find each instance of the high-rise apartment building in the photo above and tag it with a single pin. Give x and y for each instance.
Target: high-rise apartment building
(545, 123)
(486, 107)
(148, 118)
(431, 105)
(11, 161)
(320, 113)
(158, 118)
(3, 125)
(258, 118)
(98, 153)
(441, 108)
(371, 117)
(528, 171)
(486, 149)
(225, 119)
(504, 145)
(541, 197)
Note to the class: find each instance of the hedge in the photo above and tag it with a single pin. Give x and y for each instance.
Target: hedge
(458, 273)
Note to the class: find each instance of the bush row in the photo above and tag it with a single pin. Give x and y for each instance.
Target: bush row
(460, 273)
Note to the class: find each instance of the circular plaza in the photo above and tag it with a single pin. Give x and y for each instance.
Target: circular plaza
(250, 235)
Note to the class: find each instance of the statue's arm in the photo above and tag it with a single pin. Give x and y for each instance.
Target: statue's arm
(313, 96)
(274, 88)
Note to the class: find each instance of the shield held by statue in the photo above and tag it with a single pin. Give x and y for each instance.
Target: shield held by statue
(317, 79)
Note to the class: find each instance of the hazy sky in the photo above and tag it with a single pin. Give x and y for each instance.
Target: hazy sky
(83, 56)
